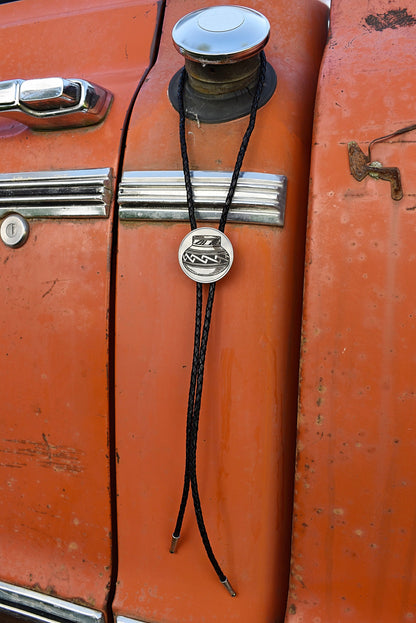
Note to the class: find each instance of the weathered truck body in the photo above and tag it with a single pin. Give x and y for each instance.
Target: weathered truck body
(303, 455)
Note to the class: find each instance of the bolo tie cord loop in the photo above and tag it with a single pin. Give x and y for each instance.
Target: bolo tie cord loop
(201, 341)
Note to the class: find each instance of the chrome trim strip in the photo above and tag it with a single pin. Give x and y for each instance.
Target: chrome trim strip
(84, 193)
(35, 606)
(121, 619)
(160, 195)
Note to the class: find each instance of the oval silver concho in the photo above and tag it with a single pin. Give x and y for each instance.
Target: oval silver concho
(205, 255)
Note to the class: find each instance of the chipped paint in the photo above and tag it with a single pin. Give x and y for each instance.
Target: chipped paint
(395, 18)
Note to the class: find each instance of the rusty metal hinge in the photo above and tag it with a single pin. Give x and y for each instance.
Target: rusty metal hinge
(362, 165)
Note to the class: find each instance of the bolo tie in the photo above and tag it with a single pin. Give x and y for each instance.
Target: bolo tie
(205, 255)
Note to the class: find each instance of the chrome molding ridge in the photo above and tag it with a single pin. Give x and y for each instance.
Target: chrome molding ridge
(37, 607)
(84, 193)
(121, 619)
(161, 196)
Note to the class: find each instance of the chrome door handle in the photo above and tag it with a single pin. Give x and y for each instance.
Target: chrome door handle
(54, 103)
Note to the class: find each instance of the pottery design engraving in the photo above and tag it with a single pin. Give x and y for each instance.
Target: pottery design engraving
(205, 255)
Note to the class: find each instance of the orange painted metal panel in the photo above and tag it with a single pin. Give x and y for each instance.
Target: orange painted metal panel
(55, 523)
(354, 551)
(245, 455)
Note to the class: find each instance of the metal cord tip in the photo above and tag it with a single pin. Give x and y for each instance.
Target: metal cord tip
(173, 544)
(228, 587)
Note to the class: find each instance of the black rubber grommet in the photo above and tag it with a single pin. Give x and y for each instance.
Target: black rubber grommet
(220, 108)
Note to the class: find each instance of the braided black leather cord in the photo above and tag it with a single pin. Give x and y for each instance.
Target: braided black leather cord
(201, 342)
(184, 152)
(198, 315)
(191, 400)
(244, 142)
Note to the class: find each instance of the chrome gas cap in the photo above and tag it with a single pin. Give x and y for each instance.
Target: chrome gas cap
(221, 34)
(14, 231)
(222, 47)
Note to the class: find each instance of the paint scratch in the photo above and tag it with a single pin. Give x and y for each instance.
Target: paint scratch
(54, 282)
(25, 453)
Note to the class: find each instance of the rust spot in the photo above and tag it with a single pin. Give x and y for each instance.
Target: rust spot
(50, 590)
(23, 452)
(292, 609)
(321, 386)
(395, 18)
(299, 579)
